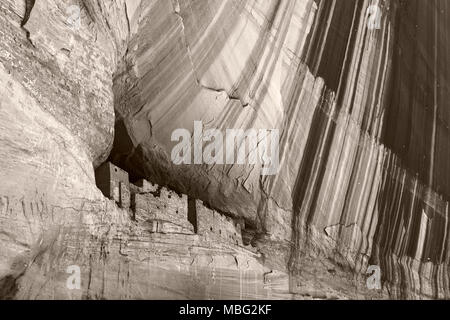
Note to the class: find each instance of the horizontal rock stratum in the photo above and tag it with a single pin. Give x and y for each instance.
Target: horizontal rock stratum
(357, 90)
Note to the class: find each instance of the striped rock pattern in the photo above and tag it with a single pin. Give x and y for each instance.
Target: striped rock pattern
(361, 112)
(363, 178)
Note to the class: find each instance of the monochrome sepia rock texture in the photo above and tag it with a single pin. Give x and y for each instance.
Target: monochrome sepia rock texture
(364, 176)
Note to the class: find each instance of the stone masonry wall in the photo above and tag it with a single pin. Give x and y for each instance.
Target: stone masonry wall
(163, 206)
(217, 227)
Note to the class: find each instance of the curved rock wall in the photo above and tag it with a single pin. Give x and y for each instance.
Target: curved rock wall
(363, 176)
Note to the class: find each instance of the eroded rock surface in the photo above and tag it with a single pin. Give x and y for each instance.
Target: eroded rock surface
(363, 176)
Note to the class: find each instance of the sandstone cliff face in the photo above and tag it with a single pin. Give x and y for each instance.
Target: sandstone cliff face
(363, 176)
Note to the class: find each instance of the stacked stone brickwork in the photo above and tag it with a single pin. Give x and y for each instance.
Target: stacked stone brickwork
(114, 184)
(217, 227)
(165, 210)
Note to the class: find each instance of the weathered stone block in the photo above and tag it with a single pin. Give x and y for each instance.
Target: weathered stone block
(124, 196)
(145, 186)
(215, 226)
(168, 207)
(109, 178)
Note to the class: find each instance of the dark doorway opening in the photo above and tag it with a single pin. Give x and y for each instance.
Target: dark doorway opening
(192, 213)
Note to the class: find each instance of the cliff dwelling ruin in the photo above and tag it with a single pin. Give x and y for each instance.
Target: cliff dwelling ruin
(354, 93)
(162, 210)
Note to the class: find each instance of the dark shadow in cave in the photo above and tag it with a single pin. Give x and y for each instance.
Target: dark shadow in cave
(8, 287)
(123, 152)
